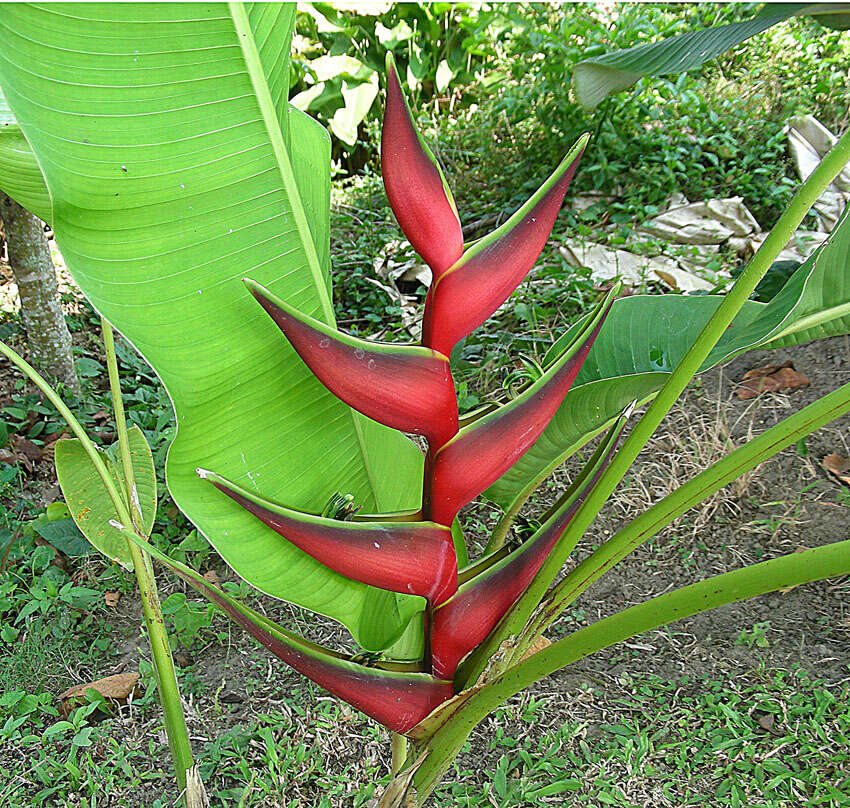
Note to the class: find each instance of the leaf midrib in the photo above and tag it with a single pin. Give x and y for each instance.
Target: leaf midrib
(255, 70)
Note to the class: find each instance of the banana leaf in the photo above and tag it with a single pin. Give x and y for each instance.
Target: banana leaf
(175, 166)
(594, 79)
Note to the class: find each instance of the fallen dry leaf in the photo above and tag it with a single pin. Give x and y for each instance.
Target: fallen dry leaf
(24, 446)
(538, 645)
(117, 687)
(211, 577)
(111, 598)
(838, 467)
(767, 721)
(769, 379)
(49, 448)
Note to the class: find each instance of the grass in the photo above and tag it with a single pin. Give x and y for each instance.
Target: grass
(767, 738)
(770, 738)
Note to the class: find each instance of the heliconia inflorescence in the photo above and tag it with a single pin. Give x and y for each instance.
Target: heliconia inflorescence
(410, 388)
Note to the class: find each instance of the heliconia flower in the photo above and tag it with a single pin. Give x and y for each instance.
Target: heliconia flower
(416, 558)
(406, 387)
(410, 388)
(480, 453)
(465, 620)
(416, 188)
(463, 297)
(397, 699)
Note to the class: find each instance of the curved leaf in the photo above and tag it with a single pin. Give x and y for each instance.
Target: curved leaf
(20, 175)
(90, 505)
(165, 152)
(644, 337)
(595, 78)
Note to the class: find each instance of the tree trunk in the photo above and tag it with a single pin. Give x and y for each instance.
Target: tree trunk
(48, 337)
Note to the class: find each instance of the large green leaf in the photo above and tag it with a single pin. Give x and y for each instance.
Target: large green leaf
(644, 337)
(176, 167)
(20, 176)
(90, 505)
(595, 78)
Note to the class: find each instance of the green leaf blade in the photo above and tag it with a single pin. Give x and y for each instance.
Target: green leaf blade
(170, 184)
(21, 176)
(594, 79)
(89, 503)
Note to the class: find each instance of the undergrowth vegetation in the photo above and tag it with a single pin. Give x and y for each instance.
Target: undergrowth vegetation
(715, 132)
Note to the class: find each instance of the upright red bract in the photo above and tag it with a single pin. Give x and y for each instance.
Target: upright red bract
(410, 388)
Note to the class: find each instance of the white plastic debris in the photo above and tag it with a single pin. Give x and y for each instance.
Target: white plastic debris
(605, 263)
(801, 246)
(581, 202)
(808, 141)
(711, 222)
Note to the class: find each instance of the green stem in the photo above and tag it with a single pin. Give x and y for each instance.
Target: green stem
(690, 363)
(503, 527)
(75, 427)
(399, 752)
(169, 691)
(174, 719)
(131, 494)
(768, 576)
(747, 457)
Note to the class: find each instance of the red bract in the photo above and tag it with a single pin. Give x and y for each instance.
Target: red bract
(465, 620)
(486, 274)
(415, 185)
(416, 558)
(403, 386)
(396, 699)
(410, 387)
(482, 452)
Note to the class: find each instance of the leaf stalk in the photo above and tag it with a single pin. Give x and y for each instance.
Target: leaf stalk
(166, 675)
(516, 620)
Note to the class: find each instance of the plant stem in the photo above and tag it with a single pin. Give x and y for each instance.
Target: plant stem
(690, 363)
(75, 427)
(174, 718)
(169, 691)
(506, 521)
(131, 494)
(768, 576)
(399, 752)
(747, 457)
